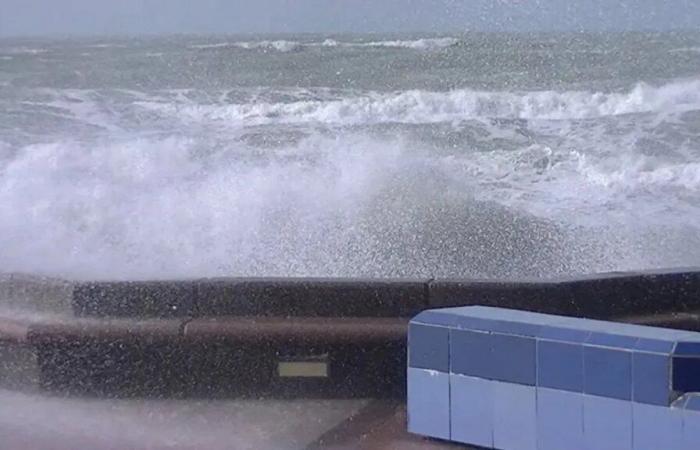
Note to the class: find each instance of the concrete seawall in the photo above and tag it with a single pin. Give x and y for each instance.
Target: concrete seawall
(595, 296)
(228, 336)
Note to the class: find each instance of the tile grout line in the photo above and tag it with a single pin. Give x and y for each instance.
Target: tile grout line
(449, 383)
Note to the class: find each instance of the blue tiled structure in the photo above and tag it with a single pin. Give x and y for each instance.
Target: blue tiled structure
(515, 380)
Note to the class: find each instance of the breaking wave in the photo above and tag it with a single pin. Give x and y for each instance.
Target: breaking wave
(236, 171)
(432, 107)
(144, 208)
(349, 204)
(289, 46)
(279, 45)
(23, 51)
(417, 44)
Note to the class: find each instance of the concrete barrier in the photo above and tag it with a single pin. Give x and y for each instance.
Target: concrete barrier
(35, 294)
(312, 297)
(613, 295)
(135, 298)
(232, 335)
(600, 296)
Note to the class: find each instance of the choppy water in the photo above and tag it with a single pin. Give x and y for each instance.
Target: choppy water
(479, 155)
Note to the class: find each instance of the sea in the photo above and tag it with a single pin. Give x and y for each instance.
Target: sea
(485, 155)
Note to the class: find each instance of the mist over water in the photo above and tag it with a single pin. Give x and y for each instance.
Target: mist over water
(475, 155)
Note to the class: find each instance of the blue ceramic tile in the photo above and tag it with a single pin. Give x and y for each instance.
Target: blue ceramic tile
(657, 427)
(612, 340)
(559, 420)
(428, 347)
(514, 359)
(499, 320)
(472, 404)
(428, 403)
(607, 423)
(655, 345)
(686, 374)
(498, 326)
(599, 326)
(607, 372)
(514, 416)
(561, 334)
(470, 353)
(473, 323)
(439, 317)
(651, 378)
(629, 330)
(691, 430)
(504, 314)
(691, 349)
(560, 365)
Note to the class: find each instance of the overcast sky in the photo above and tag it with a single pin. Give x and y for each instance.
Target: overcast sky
(40, 17)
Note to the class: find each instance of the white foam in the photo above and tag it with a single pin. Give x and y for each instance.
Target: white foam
(149, 207)
(152, 195)
(288, 46)
(208, 46)
(341, 205)
(416, 44)
(106, 45)
(685, 50)
(432, 107)
(24, 51)
(277, 45)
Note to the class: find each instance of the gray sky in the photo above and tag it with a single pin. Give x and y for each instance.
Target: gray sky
(40, 17)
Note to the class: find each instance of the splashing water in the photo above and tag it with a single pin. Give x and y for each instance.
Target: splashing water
(243, 169)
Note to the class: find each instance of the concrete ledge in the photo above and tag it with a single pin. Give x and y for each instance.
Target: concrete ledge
(600, 296)
(207, 357)
(349, 330)
(35, 293)
(135, 299)
(604, 296)
(311, 297)
(681, 321)
(531, 295)
(225, 336)
(70, 329)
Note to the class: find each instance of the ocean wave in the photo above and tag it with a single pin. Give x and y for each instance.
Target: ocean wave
(685, 50)
(278, 45)
(23, 51)
(417, 44)
(210, 46)
(288, 46)
(416, 106)
(106, 45)
(349, 205)
(148, 207)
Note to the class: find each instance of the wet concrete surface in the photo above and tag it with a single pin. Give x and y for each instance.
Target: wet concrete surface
(41, 422)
